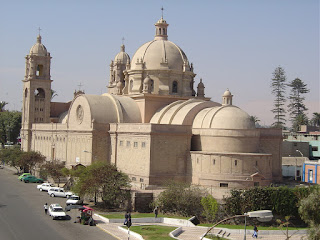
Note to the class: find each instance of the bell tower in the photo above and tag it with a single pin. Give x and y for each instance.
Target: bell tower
(36, 91)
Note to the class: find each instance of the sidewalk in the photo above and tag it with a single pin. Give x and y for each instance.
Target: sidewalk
(193, 232)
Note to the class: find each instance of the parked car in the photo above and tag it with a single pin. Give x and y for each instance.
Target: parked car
(74, 200)
(32, 179)
(23, 175)
(45, 186)
(58, 192)
(56, 211)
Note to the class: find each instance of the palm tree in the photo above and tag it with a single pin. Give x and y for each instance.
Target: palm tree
(2, 105)
(53, 94)
(316, 119)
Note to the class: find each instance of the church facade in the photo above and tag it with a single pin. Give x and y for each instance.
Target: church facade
(151, 123)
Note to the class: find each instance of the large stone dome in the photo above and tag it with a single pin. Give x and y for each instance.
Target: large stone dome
(154, 53)
(38, 49)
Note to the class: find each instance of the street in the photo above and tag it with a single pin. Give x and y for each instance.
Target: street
(22, 214)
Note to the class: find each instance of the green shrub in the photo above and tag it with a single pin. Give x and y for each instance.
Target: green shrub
(180, 199)
(210, 207)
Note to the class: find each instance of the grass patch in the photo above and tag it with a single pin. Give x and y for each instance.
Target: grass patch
(248, 227)
(140, 215)
(151, 232)
(215, 237)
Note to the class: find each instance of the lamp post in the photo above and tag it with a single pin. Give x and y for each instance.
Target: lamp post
(295, 175)
(261, 215)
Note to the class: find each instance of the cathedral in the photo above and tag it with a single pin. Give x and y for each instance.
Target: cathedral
(151, 123)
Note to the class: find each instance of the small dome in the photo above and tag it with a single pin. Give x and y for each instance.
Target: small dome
(147, 80)
(119, 84)
(227, 93)
(38, 49)
(122, 56)
(224, 117)
(161, 20)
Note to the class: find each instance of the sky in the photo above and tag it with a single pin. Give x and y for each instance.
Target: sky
(234, 44)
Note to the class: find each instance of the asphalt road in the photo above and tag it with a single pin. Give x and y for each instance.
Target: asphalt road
(22, 215)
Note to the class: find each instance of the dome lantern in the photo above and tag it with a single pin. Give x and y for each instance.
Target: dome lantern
(227, 98)
(161, 30)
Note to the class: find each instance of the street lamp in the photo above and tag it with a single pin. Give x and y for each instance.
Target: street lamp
(261, 215)
(295, 175)
(299, 152)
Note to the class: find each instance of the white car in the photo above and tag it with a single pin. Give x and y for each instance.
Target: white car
(58, 192)
(74, 200)
(44, 186)
(56, 211)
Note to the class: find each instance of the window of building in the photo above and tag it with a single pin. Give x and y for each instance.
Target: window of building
(134, 179)
(135, 144)
(174, 87)
(256, 163)
(314, 148)
(152, 85)
(213, 161)
(128, 143)
(143, 144)
(235, 162)
(256, 184)
(310, 176)
(141, 179)
(224, 184)
(121, 143)
(39, 71)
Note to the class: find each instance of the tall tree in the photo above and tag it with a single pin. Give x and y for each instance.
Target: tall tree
(54, 169)
(278, 85)
(297, 106)
(104, 180)
(10, 125)
(53, 94)
(2, 105)
(316, 119)
(30, 160)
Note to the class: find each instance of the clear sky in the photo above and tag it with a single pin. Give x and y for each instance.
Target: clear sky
(233, 44)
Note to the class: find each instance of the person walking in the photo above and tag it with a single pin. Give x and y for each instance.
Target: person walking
(255, 232)
(156, 211)
(45, 208)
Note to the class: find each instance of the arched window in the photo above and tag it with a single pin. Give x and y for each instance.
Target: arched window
(159, 31)
(131, 85)
(39, 71)
(39, 93)
(26, 93)
(152, 85)
(174, 87)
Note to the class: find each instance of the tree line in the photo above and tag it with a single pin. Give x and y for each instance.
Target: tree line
(296, 107)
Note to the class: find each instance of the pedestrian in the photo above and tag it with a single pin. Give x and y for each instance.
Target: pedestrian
(255, 232)
(156, 211)
(129, 223)
(45, 208)
(126, 217)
